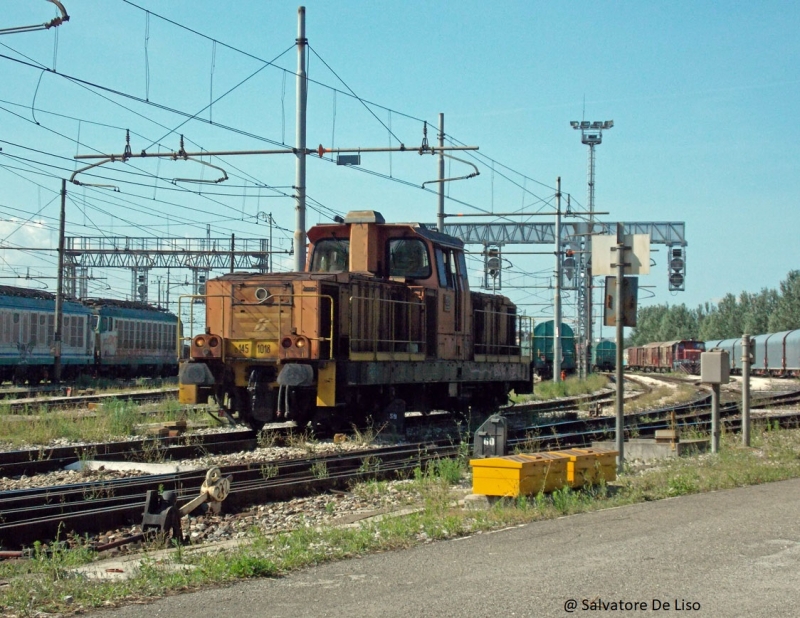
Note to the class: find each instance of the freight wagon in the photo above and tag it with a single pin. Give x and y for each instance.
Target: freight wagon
(774, 354)
(666, 356)
(604, 356)
(543, 335)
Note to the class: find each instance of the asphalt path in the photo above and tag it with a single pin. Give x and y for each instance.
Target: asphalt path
(728, 553)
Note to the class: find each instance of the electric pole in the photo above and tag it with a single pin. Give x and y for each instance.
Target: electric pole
(300, 145)
(59, 317)
(591, 135)
(557, 296)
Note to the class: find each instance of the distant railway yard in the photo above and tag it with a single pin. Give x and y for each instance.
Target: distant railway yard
(94, 493)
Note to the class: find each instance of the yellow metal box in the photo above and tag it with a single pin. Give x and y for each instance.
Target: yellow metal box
(586, 466)
(517, 475)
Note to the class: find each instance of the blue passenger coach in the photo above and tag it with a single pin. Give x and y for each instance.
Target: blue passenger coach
(27, 320)
(99, 337)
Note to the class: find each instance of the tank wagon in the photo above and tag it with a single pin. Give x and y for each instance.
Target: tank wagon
(665, 356)
(604, 356)
(543, 349)
(99, 337)
(381, 320)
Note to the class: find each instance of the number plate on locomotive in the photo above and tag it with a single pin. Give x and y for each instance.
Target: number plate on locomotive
(266, 349)
(250, 348)
(241, 348)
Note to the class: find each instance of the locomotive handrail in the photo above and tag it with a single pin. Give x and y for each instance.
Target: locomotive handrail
(180, 337)
(321, 338)
(261, 303)
(373, 336)
(516, 349)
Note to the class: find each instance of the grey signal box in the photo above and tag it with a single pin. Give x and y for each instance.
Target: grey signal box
(715, 367)
(491, 438)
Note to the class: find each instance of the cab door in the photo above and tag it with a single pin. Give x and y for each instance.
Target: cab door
(454, 297)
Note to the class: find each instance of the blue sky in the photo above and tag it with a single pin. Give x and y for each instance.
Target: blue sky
(702, 95)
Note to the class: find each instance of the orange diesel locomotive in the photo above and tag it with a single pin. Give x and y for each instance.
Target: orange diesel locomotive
(381, 321)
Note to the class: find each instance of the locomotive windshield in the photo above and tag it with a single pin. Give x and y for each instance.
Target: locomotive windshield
(408, 257)
(331, 255)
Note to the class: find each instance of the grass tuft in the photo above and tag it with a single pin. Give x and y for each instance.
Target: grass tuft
(41, 584)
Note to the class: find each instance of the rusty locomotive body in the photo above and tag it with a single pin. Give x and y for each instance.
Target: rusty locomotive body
(381, 321)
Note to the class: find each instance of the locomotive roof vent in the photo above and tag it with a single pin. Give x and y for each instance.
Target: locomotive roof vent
(364, 216)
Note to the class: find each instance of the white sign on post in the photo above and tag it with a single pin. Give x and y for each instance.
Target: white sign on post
(604, 254)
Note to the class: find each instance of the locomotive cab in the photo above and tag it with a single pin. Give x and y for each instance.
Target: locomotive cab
(381, 307)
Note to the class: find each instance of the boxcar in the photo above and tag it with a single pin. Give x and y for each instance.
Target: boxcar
(775, 354)
(664, 356)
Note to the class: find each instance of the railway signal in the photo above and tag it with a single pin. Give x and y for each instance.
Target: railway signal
(677, 269)
(493, 266)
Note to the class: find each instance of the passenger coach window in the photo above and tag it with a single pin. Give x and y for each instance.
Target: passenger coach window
(331, 255)
(408, 257)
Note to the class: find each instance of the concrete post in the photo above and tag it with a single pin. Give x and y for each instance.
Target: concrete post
(59, 309)
(715, 418)
(746, 390)
(440, 210)
(300, 145)
(557, 298)
(620, 400)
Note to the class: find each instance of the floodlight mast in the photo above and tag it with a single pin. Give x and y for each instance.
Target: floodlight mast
(591, 135)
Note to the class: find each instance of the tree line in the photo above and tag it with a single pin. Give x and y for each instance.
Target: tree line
(768, 311)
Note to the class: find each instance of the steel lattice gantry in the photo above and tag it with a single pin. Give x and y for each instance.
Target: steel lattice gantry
(663, 233)
(140, 255)
(146, 253)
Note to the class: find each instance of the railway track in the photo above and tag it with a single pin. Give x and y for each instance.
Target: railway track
(39, 514)
(694, 415)
(43, 460)
(16, 391)
(42, 404)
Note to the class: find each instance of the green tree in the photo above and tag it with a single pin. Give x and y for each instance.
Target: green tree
(679, 323)
(648, 324)
(786, 314)
(758, 311)
(730, 318)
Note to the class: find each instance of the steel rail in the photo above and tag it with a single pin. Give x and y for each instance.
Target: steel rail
(39, 461)
(47, 403)
(120, 502)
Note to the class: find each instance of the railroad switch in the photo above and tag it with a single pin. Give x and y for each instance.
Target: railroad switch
(162, 515)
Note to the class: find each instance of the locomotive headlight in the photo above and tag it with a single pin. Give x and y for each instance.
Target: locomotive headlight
(213, 342)
(200, 342)
(286, 342)
(300, 343)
